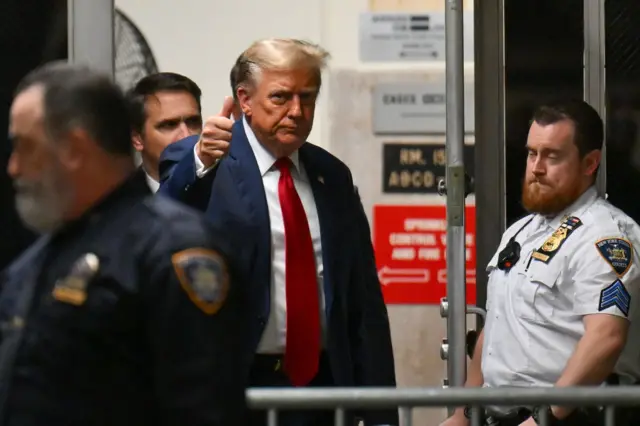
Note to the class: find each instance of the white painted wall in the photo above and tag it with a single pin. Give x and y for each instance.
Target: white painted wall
(203, 38)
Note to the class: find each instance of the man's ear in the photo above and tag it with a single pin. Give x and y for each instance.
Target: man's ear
(591, 161)
(244, 100)
(136, 141)
(74, 151)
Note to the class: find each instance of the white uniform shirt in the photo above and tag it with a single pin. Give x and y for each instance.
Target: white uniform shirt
(535, 311)
(274, 337)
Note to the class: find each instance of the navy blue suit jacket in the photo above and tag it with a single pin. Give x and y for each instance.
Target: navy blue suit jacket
(232, 196)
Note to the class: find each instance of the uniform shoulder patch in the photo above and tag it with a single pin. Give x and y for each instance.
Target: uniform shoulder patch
(204, 276)
(615, 294)
(617, 252)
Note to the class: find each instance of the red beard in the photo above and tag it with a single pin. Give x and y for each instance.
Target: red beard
(546, 200)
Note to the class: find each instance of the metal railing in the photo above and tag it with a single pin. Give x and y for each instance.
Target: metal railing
(405, 399)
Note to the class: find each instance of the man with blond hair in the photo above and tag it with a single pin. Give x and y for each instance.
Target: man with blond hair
(317, 312)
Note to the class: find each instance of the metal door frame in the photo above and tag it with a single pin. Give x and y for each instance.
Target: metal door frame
(595, 73)
(490, 181)
(90, 30)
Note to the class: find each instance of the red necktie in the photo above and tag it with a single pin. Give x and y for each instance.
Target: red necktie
(303, 310)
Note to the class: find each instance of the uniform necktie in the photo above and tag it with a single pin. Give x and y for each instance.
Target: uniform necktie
(303, 313)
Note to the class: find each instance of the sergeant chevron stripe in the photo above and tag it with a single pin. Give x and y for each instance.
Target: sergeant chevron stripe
(615, 295)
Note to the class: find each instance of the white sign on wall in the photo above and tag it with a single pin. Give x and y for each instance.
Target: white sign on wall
(411, 37)
(416, 108)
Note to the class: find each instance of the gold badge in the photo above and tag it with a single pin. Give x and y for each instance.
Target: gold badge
(551, 246)
(204, 276)
(72, 289)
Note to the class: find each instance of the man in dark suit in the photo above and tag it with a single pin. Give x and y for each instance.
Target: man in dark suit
(301, 233)
(165, 108)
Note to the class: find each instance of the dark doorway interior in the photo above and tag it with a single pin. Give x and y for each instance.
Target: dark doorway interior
(25, 29)
(622, 52)
(543, 61)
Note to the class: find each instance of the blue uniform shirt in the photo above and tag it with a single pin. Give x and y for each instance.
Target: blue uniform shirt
(131, 315)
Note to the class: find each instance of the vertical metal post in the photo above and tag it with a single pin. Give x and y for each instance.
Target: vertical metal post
(91, 40)
(456, 258)
(490, 181)
(595, 72)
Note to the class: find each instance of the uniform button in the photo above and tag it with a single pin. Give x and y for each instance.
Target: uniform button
(262, 321)
(186, 188)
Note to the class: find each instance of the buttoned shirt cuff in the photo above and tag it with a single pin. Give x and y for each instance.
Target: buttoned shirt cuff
(201, 171)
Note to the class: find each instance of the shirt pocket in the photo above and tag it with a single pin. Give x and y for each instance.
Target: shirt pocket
(537, 291)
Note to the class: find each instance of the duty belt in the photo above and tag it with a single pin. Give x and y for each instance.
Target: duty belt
(491, 416)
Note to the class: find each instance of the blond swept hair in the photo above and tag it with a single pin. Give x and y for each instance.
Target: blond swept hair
(279, 54)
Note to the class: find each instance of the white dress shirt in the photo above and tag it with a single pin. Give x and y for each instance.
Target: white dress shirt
(154, 185)
(274, 336)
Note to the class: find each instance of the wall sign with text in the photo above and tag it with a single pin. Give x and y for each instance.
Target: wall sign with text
(410, 246)
(405, 108)
(417, 168)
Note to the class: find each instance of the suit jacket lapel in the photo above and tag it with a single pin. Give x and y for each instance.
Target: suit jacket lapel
(328, 221)
(246, 175)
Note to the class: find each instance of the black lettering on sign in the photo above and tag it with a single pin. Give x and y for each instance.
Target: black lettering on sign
(417, 168)
(433, 98)
(399, 99)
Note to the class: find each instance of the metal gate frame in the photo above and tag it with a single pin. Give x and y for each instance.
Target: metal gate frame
(341, 399)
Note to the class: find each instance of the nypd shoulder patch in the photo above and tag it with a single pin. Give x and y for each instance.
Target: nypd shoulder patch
(617, 252)
(204, 276)
(615, 295)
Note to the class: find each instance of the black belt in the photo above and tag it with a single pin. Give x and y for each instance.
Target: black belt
(266, 363)
(613, 379)
(580, 417)
(275, 362)
(268, 370)
(490, 417)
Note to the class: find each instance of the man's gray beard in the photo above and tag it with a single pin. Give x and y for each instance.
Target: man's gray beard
(42, 205)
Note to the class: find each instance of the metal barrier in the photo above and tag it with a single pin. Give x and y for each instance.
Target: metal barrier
(444, 313)
(471, 309)
(341, 399)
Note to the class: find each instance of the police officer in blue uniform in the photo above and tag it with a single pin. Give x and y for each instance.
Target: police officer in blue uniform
(126, 310)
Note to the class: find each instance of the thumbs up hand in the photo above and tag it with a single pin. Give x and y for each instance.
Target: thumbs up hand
(216, 135)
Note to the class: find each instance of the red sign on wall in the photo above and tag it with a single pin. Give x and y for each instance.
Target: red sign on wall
(410, 244)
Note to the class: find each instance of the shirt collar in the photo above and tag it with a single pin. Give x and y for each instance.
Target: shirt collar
(576, 209)
(265, 159)
(151, 182)
(154, 185)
